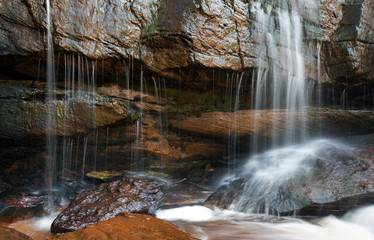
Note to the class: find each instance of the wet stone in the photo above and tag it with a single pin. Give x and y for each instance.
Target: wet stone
(21, 208)
(107, 201)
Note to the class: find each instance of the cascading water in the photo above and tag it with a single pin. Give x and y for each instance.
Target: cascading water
(51, 141)
(281, 87)
(280, 77)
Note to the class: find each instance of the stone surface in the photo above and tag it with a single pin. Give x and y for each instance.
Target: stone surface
(128, 226)
(172, 35)
(20, 208)
(330, 182)
(8, 233)
(109, 200)
(242, 123)
(349, 26)
(24, 111)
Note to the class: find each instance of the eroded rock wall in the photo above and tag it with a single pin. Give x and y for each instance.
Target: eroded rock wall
(170, 35)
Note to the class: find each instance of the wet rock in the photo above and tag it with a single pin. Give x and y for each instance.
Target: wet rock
(351, 32)
(172, 35)
(242, 123)
(339, 207)
(24, 111)
(22, 204)
(156, 148)
(129, 226)
(109, 200)
(160, 179)
(21, 208)
(105, 176)
(330, 182)
(71, 188)
(8, 233)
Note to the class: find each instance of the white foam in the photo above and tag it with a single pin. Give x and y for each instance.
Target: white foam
(205, 223)
(188, 213)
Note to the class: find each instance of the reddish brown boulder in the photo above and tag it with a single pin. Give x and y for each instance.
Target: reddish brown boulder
(110, 199)
(128, 226)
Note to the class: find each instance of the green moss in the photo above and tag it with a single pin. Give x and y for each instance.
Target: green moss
(191, 102)
(105, 175)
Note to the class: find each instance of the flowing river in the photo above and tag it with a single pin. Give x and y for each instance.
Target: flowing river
(204, 223)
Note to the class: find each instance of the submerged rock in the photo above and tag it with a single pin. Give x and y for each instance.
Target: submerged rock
(8, 233)
(110, 199)
(128, 226)
(318, 178)
(23, 112)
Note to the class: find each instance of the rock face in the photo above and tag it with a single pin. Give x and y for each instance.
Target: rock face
(24, 111)
(169, 35)
(351, 34)
(242, 123)
(128, 226)
(331, 180)
(109, 200)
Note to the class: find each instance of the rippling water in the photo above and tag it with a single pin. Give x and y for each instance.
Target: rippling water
(205, 224)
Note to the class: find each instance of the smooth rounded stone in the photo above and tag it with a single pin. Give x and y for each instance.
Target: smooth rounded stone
(23, 112)
(8, 233)
(332, 181)
(128, 226)
(107, 201)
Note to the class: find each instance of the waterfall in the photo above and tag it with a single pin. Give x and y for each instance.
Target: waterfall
(51, 141)
(279, 86)
(280, 76)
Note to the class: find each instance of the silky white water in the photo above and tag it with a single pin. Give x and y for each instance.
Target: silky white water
(267, 172)
(208, 224)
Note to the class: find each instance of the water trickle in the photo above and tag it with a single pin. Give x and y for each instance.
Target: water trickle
(343, 99)
(51, 141)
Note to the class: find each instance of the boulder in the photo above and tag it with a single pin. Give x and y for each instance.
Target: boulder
(110, 199)
(8, 233)
(319, 178)
(21, 208)
(24, 111)
(22, 204)
(128, 226)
